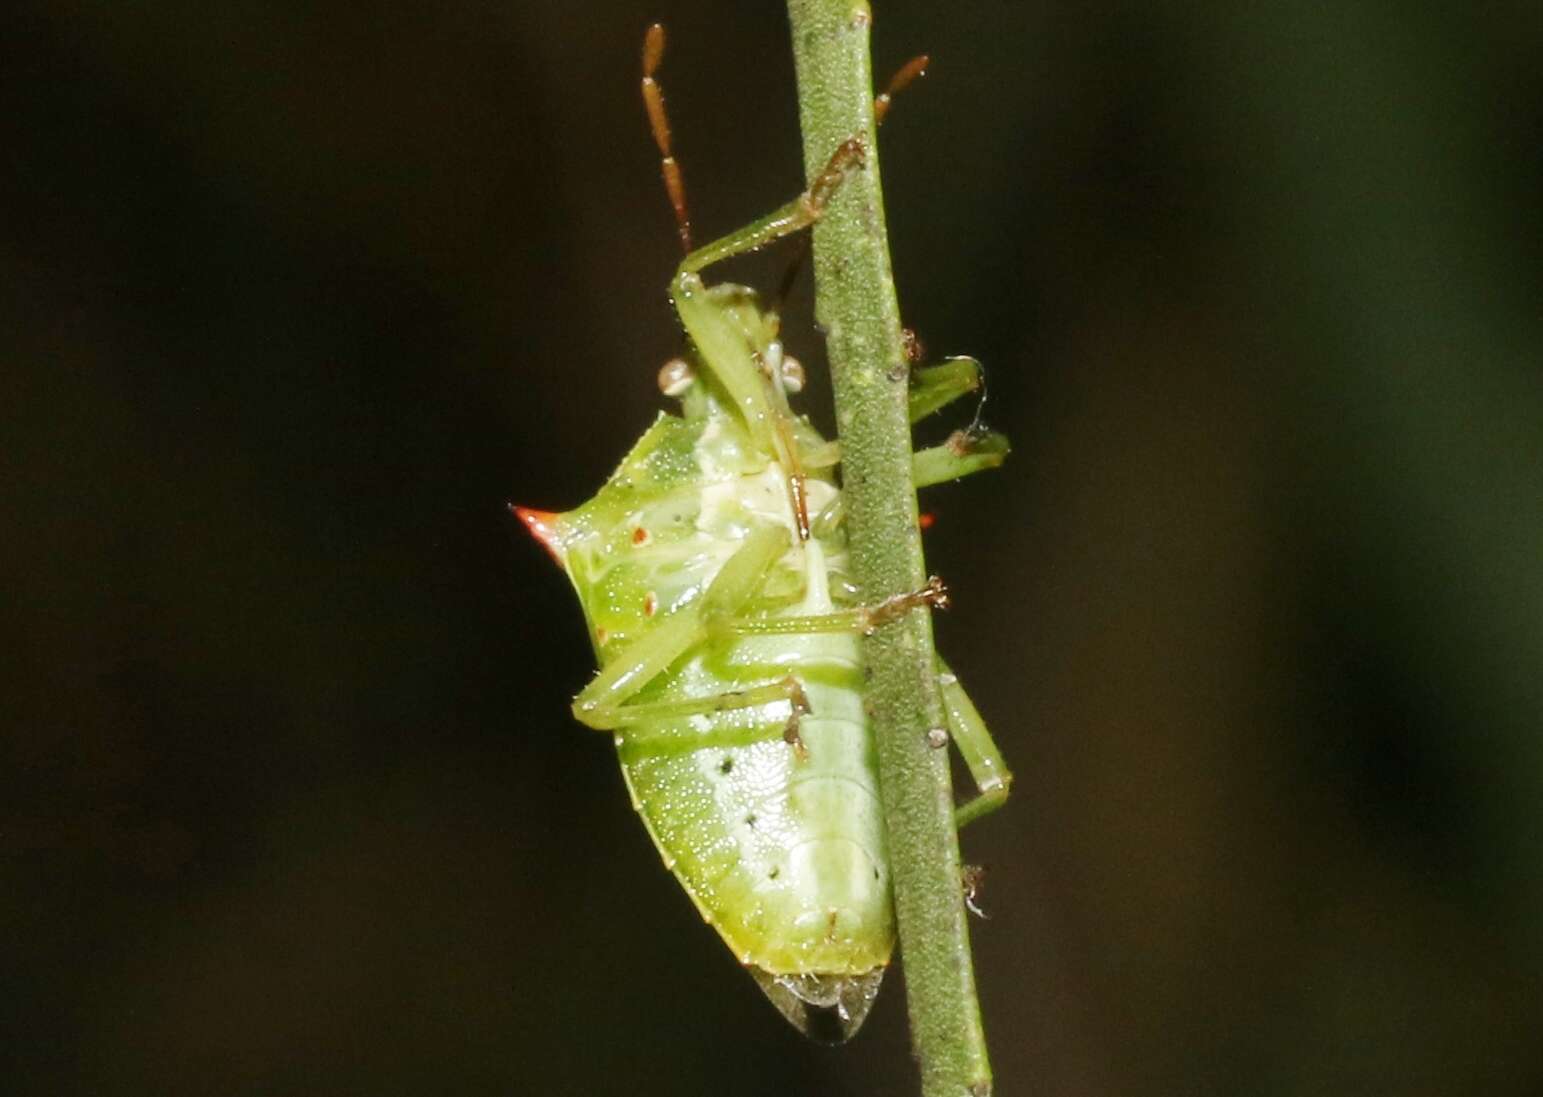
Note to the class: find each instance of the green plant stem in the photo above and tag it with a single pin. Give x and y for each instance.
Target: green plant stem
(855, 302)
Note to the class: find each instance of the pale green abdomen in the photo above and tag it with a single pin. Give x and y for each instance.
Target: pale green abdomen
(782, 850)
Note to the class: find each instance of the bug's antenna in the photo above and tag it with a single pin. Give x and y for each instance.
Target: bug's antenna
(916, 66)
(659, 124)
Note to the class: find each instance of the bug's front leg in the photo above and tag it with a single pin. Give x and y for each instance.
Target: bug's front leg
(657, 727)
(601, 703)
(981, 757)
(800, 213)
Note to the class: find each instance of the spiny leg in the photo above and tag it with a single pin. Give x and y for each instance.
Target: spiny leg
(981, 757)
(863, 619)
(659, 125)
(800, 213)
(650, 654)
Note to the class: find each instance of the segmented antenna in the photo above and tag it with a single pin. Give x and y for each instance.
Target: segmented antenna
(916, 66)
(659, 124)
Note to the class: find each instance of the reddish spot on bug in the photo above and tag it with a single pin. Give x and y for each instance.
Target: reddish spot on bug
(543, 527)
(650, 604)
(640, 536)
(600, 635)
(927, 519)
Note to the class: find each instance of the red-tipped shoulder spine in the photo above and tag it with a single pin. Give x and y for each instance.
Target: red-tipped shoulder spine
(543, 527)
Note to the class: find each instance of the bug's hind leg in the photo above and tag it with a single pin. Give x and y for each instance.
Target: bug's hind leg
(977, 748)
(934, 387)
(650, 654)
(966, 451)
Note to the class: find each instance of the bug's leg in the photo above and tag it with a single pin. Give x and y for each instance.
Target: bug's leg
(655, 725)
(977, 748)
(863, 619)
(647, 656)
(937, 386)
(800, 213)
(966, 451)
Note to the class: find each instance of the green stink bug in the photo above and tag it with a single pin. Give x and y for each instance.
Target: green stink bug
(712, 571)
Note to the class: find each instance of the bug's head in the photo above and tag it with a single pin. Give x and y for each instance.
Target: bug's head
(741, 307)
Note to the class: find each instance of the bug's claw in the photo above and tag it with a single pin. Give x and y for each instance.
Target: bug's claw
(797, 697)
(798, 701)
(971, 877)
(934, 595)
(791, 737)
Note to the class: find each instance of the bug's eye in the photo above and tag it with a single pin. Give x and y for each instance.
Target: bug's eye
(676, 376)
(792, 374)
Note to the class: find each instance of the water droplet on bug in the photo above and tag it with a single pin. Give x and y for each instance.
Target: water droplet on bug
(826, 1008)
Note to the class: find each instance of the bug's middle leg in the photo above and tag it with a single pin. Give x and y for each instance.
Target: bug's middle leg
(650, 654)
(863, 619)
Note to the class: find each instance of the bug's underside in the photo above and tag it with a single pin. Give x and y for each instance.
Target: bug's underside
(779, 843)
(712, 570)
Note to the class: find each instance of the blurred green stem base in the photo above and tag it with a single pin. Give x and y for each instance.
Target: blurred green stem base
(855, 303)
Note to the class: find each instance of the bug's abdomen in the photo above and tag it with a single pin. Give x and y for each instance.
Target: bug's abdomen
(781, 848)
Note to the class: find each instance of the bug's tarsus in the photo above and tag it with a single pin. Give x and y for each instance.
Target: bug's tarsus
(934, 594)
(908, 72)
(850, 155)
(791, 737)
(659, 125)
(972, 877)
(798, 701)
(796, 696)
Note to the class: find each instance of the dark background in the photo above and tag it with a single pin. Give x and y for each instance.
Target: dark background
(295, 296)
